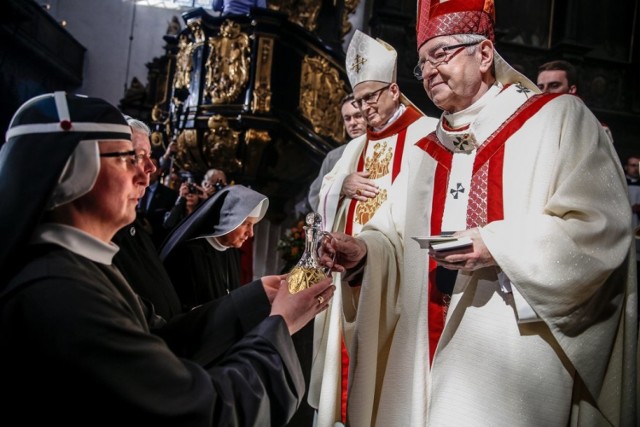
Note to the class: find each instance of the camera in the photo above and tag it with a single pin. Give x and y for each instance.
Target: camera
(219, 185)
(193, 189)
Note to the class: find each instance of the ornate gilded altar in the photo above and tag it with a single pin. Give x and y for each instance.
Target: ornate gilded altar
(257, 96)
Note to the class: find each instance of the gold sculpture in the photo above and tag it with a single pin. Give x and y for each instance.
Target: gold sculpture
(350, 7)
(379, 164)
(261, 101)
(184, 64)
(227, 67)
(157, 141)
(195, 25)
(366, 210)
(321, 91)
(187, 154)
(220, 146)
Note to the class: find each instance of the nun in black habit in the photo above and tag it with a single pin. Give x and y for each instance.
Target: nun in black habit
(202, 254)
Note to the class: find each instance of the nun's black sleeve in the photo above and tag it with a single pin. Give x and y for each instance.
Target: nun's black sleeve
(206, 333)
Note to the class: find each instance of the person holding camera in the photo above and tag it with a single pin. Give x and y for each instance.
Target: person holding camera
(190, 195)
(214, 180)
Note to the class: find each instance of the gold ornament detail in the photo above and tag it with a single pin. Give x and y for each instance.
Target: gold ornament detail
(350, 7)
(220, 145)
(321, 93)
(156, 140)
(378, 165)
(184, 64)
(358, 63)
(365, 210)
(157, 114)
(261, 101)
(254, 136)
(195, 25)
(184, 57)
(379, 162)
(227, 67)
(187, 154)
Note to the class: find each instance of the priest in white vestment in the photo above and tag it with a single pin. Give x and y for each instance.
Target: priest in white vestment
(542, 325)
(353, 191)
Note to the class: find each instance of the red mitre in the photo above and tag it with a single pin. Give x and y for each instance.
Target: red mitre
(449, 17)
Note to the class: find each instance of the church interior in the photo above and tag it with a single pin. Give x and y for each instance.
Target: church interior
(259, 95)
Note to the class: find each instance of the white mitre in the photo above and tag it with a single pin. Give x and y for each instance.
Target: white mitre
(370, 59)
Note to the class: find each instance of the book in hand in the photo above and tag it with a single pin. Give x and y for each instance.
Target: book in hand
(443, 242)
(450, 245)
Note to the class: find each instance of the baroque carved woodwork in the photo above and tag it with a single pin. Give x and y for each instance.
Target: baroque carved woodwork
(187, 150)
(256, 96)
(350, 7)
(227, 67)
(261, 101)
(220, 145)
(184, 65)
(321, 94)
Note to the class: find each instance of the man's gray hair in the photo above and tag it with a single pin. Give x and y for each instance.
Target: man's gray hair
(469, 38)
(473, 38)
(137, 125)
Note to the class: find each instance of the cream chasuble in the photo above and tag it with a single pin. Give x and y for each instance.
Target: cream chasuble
(381, 153)
(566, 354)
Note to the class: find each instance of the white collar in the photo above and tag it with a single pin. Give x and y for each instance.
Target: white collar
(460, 134)
(213, 241)
(469, 114)
(396, 115)
(76, 241)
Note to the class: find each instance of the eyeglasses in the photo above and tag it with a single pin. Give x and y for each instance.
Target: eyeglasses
(131, 157)
(441, 56)
(369, 98)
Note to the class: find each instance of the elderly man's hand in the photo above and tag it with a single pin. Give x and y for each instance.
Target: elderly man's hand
(342, 252)
(471, 257)
(358, 186)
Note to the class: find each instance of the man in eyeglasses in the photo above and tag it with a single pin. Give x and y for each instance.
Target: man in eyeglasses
(75, 338)
(354, 190)
(542, 323)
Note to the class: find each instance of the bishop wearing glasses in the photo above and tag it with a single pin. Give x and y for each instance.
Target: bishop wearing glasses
(352, 193)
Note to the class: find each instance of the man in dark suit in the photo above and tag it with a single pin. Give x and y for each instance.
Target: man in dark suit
(158, 199)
